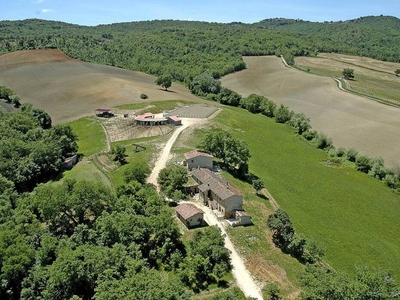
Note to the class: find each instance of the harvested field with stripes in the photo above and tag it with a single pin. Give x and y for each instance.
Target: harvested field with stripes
(351, 121)
(69, 89)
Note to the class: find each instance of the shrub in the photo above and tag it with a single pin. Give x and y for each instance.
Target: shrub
(143, 96)
(310, 134)
(323, 141)
(378, 169)
(363, 163)
(268, 108)
(283, 114)
(340, 152)
(351, 154)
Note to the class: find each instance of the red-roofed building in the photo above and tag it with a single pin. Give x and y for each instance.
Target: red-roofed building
(175, 120)
(148, 119)
(190, 215)
(197, 159)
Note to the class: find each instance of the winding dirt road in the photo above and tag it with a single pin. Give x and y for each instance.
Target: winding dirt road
(165, 154)
(242, 276)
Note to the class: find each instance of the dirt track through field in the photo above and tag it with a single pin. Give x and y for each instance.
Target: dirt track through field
(351, 121)
(69, 89)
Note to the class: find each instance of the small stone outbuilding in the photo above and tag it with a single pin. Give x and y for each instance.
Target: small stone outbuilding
(190, 215)
(197, 159)
(243, 218)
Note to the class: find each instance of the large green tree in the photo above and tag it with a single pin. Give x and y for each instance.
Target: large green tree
(233, 152)
(165, 81)
(172, 178)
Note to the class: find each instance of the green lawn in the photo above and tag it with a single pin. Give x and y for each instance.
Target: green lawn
(91, 137)
(87, 171)
(356, 218)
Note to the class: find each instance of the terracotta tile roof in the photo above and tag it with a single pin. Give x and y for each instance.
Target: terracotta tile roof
(187, 210)
(211, 181)
(174, 118)
(196, 153)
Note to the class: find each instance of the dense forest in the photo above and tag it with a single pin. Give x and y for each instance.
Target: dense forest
(186, 49)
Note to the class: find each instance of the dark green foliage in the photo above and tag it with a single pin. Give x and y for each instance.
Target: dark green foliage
(352, 154)
(172, 178)
(309, 135)
(268, 108)
(6, 93)
(138, 171)
(348, 73)
(253, 103)
(118, 154)
(205, 84)
(31, 154)
(228, 97)
(321, 283)
(143, 96)
(322, 141)
(397, 72)
(284, 236)
(207, 260)
(271, 291)
(363, 163)
(283, 114)
(282, 227)
(43, 117)
(66, 206)
(301, 122)
(378, 169)
(234, 153)
(186, 49)
(165, 81)
(15, 99)
(258, 185)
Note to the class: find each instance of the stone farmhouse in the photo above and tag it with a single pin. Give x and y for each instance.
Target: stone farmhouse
(190, 215)
(198, 159)
(213, 191)
(217, 193)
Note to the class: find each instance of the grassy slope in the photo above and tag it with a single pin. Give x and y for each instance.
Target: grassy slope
(354, 216)
(91, 137)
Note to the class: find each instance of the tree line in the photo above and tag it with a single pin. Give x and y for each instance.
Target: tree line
(185, 49)
(32, 149)
(204, 85)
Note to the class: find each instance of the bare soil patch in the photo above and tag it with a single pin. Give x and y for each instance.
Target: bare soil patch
(350, 120)
(69, 89)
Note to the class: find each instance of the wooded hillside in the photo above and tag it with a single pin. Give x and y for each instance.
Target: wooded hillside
(186, 49)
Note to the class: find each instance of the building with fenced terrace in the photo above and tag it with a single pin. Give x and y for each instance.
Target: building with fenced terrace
(149, 119)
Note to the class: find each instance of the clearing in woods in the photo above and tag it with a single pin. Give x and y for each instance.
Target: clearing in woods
(69, 89)
(351, 121)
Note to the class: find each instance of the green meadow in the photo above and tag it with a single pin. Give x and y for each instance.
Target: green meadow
(354, 217)
(91, 137)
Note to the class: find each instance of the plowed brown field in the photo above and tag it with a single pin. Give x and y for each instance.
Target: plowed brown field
(69, 89)
(351, 121)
